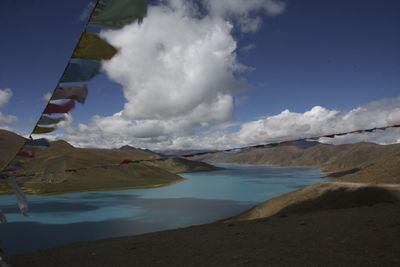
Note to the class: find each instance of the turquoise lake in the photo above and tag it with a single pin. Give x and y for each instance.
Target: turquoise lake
(205, 197)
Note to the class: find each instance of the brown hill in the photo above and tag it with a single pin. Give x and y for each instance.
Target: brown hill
(62, 156)
(9, 144)
(360, 162)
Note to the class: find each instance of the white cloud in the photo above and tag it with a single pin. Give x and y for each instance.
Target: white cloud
(7, 120)
(47, 96)
(5, 96)
(321, 121)
(179, 71)
(245, 12)
(115, 131)
(175, 75)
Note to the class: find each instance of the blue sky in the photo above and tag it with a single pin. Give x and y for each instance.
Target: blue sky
(222, 73)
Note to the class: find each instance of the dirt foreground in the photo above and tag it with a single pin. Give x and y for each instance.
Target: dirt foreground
(353, 233)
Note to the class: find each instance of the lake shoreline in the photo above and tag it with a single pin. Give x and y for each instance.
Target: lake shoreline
(306, 235)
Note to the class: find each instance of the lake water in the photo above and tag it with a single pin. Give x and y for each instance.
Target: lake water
(203, 198)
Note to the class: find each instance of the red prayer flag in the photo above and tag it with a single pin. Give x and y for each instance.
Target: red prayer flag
(26, 154)
(10, 170)
(71, 170)
(64, 108)
(188, 155)
(125, 161)
(257, 146)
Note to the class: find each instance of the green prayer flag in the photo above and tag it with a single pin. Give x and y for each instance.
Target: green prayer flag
(91, 46)
(117, 13)
(44, 120)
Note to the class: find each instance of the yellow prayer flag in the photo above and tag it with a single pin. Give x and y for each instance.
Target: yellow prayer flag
(91, 46)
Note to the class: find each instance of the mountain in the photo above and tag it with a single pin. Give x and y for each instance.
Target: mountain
(360, 162)
(128, 147)
(61, 156)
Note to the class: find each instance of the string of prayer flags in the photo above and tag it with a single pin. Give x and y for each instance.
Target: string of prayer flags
(44, 120)
(91, 46)
(43, 130)
(81, 70)
(117, 13)
(82, 66)
(54, 108)
(78, 93)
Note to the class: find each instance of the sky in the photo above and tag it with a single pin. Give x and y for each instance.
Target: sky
(210, 74)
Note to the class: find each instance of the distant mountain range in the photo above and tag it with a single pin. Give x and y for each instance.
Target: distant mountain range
(366, 162)
(62, 156)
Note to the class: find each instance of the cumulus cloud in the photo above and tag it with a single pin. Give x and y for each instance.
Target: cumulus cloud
(5, 96)
(246, 13)
(179, 74)
(175, 76)
(115, 131)
(321, 121)
(7, 120)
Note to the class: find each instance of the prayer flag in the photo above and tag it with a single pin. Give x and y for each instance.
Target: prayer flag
(18, 165)
(42, 130)
(18, 161)
(117, 13)
(91, 46)
(287, 141)
(54, 108)
(9, 170)
(125, 161)
(81, 70)
(213, 151)
(21, 198)
(44, 120)
(77, 93)
(26, 154)
(35, 145)
(257, 146)
(37, 142)
(273, 144)
(102, 166)
(3, 218)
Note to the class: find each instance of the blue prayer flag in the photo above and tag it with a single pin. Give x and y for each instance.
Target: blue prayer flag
(81, 70)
